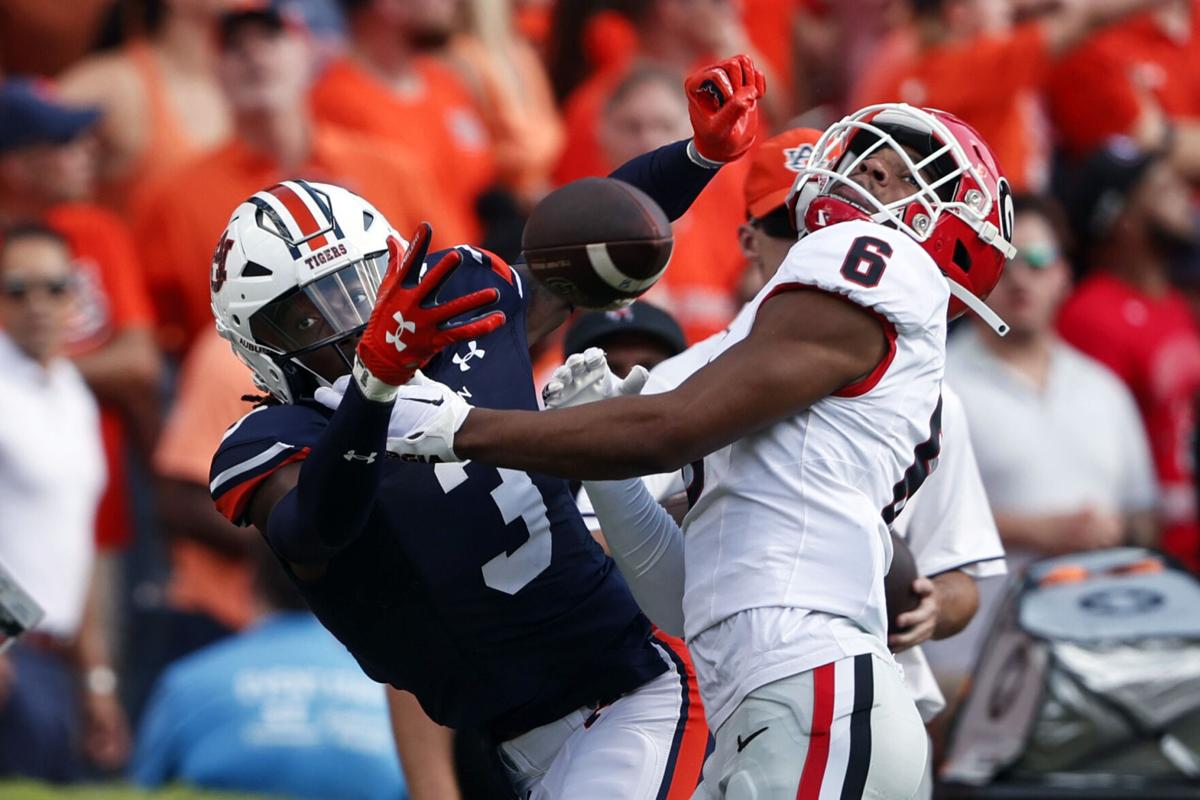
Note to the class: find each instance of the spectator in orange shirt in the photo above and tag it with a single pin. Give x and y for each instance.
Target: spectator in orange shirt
(646, 111)
(676, 35)
(510, 82)
(1134, 79)
(768, 232)
(264, 71)
(974, 63)
(414, 103)
(533, 20)
(160, 96)
(42, 38)
(47, 168)
(209, 591)
(572, 51)
(772, 29)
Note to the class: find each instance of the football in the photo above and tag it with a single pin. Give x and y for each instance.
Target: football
(897, 585)
(598, 243)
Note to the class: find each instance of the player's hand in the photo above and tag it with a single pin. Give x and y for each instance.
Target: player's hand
(105, 730)
(424, 420)
(422, 406)
(585, 378)
(918, 625)
(407, 328)
(723, 104)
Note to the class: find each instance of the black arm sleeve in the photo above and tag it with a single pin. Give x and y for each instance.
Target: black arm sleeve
(667, 175)
(330, 506)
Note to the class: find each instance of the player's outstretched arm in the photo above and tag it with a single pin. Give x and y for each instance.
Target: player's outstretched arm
(723, 105)
(311, 513)
(805, 345)
(645, 542)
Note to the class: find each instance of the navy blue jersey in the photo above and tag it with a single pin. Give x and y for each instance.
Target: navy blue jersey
(478, 589)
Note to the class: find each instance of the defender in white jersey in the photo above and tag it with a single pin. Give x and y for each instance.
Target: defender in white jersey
(948, 524)
(811, 428)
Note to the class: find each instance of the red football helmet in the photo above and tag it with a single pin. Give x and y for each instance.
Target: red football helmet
(961, 212)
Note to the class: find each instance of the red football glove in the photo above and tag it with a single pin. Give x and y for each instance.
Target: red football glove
(723, 105)
(406, 328)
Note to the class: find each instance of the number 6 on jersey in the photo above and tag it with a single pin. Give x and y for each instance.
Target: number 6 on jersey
(866, 261)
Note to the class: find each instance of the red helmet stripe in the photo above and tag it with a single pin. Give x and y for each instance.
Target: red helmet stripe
(300, 212)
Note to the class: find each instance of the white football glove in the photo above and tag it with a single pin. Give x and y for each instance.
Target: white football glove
(586, 378)
(425, 417)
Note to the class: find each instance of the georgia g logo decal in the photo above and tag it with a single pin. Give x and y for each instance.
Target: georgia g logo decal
(1005, 207)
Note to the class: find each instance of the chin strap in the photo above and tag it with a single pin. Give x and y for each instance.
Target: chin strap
(990, 235)
(979, 307)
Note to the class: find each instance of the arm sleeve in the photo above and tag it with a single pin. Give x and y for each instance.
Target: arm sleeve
(646, 545)
(668, 175)
(662, 487)
(330, 506)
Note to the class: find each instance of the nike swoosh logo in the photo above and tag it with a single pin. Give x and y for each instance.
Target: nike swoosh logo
(741, 743)
(437, 402)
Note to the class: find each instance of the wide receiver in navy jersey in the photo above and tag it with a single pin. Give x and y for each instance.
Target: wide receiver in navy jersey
(477, 589)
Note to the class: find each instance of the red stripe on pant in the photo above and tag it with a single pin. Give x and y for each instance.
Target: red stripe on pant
(304, 219)
(694, 745)
(818, 743)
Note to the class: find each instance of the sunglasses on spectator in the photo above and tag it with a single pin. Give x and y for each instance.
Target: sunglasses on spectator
(1038, 256)
(777, 223)
(19, 289)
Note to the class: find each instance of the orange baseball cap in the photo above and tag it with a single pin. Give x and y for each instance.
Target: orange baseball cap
(774, 166)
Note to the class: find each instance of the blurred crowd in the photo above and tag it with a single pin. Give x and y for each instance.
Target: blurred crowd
(129, 130)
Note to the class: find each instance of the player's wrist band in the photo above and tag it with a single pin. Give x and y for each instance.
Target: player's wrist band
(371, 387)
(699, 160)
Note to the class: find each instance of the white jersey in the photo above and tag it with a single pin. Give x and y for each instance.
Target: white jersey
(794, 517)
(948, 525)
(665, 376)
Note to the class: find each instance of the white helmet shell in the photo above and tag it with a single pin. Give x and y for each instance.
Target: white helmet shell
(279, 241)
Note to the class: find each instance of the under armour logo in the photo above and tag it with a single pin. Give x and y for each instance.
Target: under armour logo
(463, 362)
(350, 455)
(401, 327)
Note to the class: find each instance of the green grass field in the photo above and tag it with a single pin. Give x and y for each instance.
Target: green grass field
(25, 790)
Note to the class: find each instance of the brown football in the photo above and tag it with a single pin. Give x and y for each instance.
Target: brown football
(897, 585)
(597, 242)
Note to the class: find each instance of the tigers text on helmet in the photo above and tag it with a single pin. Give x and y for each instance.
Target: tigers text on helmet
(961, 211)
(293, 282)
